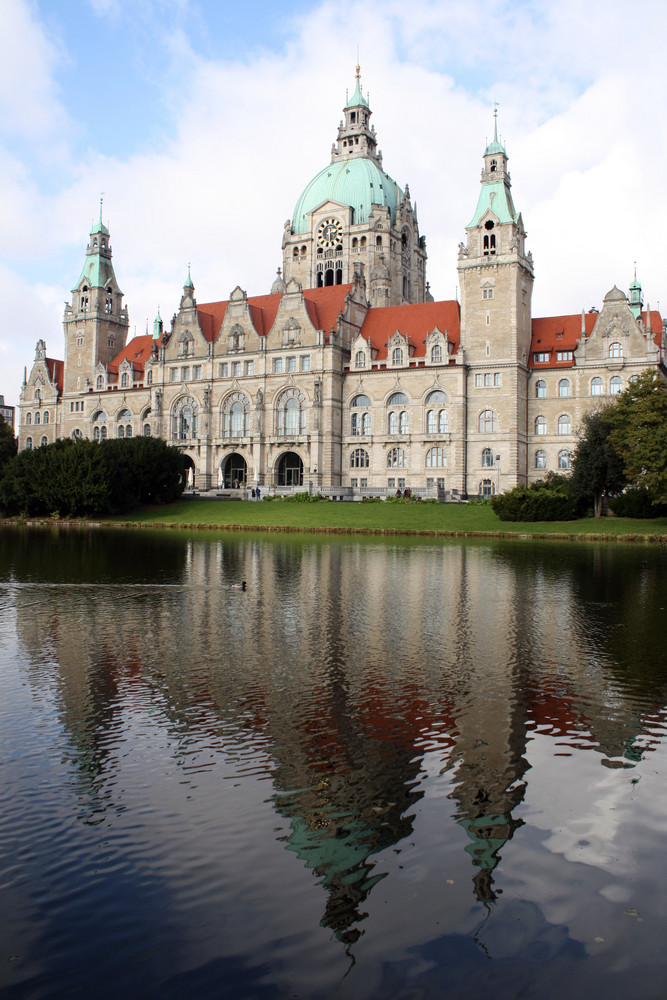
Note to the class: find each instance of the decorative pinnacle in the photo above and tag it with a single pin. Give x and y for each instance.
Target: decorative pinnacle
(495, 121)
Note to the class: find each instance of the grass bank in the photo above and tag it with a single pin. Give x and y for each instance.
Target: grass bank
(444, 519)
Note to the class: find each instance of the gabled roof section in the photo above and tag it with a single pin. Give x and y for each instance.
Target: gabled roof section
(415, 322)
(56, 370)
(322, 305)
(654, 324)
(558, 333)
(137, 352)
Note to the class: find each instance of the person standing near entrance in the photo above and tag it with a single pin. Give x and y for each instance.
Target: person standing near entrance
(257, 492)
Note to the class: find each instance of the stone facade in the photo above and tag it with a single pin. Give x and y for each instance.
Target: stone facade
(348, 376)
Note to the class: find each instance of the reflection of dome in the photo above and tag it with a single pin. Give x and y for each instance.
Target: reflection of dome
(358, 182)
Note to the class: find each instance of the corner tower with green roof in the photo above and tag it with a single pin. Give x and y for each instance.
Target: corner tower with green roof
(496, 283)
(353, 210)
(95, 322)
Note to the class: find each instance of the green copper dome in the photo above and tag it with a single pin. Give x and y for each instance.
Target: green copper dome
(358, 182)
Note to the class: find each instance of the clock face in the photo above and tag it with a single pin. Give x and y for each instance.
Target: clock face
(329, 233)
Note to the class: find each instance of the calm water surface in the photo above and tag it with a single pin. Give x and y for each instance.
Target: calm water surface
(386, 770)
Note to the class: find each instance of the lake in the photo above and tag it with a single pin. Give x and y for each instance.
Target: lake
(390, 770)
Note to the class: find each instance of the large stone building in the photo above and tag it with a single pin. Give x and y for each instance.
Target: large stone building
(348, 377)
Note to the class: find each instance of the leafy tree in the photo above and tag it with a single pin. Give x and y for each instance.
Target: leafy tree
(549, 499)
(8, 443)
(639, 421)
(597, 468)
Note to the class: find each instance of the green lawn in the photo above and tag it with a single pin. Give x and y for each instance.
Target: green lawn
(401, 518)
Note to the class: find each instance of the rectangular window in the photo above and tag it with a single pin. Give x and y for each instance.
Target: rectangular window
(391, 483)
(185, 373)
(305, 363)
(429, 484)
(173, 375)
(496, 378)
(401, 484)
(441, 484)
(196, 371)
(291, 364)
(363, 483)
(487, 293)
(563, 355)
(277, 365)
(541, 356)
(353, 483)
(250, 367)
(478, 380)
(236, 368)
(222, 370)
(487, 378)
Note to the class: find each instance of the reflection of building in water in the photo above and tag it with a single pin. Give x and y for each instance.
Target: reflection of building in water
(349, 665)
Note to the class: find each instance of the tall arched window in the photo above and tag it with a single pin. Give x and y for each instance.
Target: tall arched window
(28, 443)
(403, 423)
(361, 422)
(564, 387)
(99, 382)
(43, 441)
(356, 424)
(563, 459)
(46, 416)
(615, 385)
(291, 413)
(540, 459)
(359, 459)
(540, 425)
(564, 424)
(432, 422)
(487, 458)
(392, 422)
(124, 380)
(615, 351)
(28, 418)
(185, 419)
(597, 386)
(236, 415)
(540, 388)
(397, 356)
(436, 354)
(396, 458)
(488, 422)
(436, 458)
(360, 359)
(37, 417)
(366, 423)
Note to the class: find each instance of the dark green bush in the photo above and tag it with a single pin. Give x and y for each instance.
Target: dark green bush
(543, 501)
(637, 502)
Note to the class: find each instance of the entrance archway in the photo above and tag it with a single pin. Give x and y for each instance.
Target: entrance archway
(188, 472)
(290, 470)
(234, 471)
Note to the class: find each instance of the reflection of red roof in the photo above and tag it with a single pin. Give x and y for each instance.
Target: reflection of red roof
(56, 370)
(415, 321)
(322, 305)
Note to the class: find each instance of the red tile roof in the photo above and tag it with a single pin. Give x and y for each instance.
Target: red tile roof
(561, 333)
(656, 325)
(415, 321)
(322, 305)
(56, 370)
(137, 352)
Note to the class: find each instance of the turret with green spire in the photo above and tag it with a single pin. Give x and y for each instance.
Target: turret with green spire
(355, 135)
(636, 299)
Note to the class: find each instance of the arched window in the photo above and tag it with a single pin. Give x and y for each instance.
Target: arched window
(46, 417)
(403, 423)
(488, 422)
(597, 386)
(124, 380)
(540, 388)
(236, 415)
(443, 422)
(564, 424)
(397, 356)
(487, 458)
(359, 459)
(360, 400)
(397, 399)
(615, 351)
(615, 385)
(356, 424)
(432, 422)
(540, 459)
(121, 430)
(28, 443)
(564, 459)
(392, 422)
(540, 425)
(28, 418)
(360, 359)
(291, 413)
(99, 382)
(96, 433)
(185, 419)
(396, 458)
(366, 423)
(37, 417)
(437, 396)
(43, 441)
(436, 354)
(149, 377)
(564, 387)
(436, 458)
(147, 430)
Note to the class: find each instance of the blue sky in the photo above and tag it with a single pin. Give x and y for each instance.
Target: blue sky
(202, 121)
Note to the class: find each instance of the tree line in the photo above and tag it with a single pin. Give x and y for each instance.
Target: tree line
(81, 478)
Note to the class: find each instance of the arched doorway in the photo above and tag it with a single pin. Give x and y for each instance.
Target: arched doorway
(234, 472)
(188, 472)
(290, 470)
